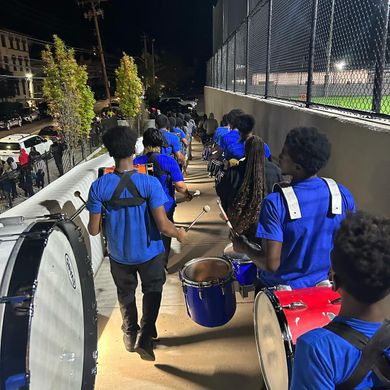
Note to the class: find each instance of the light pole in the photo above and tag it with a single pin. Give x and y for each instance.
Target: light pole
(329, 48)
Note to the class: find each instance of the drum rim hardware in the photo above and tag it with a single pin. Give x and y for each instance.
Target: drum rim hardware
(217, 282)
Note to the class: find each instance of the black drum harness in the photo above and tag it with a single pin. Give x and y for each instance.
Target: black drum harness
(372, 358)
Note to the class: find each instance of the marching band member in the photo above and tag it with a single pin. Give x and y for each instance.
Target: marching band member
(297, 223)
(134, 217)
(353, 351)
(168, 172)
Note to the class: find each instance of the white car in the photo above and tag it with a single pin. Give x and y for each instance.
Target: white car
(10, 146)
(179, 100)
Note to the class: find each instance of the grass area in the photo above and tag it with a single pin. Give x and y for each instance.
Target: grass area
(362, 103)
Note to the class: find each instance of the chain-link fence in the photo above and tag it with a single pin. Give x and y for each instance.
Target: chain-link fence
(19, 183)
(332, 53)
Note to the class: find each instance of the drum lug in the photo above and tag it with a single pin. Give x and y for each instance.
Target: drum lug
(15, 300)
(200, 294)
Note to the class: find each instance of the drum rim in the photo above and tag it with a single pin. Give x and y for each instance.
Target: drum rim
(231, 258)
(284, 327)
(90, 330)
(218, 282)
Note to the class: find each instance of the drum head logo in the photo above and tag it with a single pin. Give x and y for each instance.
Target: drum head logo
(69, 268)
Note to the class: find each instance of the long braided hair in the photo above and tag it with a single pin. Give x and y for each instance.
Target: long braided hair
(245, 209)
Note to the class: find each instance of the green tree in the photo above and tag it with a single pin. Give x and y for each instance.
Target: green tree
(129, 87)
(65, 88)
(7, 85)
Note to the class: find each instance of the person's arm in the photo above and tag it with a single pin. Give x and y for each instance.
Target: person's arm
(180, 157)
(268, 258)
(165, 226)
(312, 368)
(181, 187)
(94, 224)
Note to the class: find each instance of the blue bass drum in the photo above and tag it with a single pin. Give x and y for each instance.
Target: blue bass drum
(208, 291)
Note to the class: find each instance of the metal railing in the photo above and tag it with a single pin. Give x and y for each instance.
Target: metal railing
(329, 53)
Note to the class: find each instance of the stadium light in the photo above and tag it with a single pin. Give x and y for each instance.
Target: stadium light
(340, 65)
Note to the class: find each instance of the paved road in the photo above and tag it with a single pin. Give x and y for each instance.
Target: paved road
(30, 128)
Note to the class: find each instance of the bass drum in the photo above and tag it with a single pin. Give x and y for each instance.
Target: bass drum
(280, 318)
(48, 318)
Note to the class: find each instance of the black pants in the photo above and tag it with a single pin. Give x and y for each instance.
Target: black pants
(152, 276)
(168, 240)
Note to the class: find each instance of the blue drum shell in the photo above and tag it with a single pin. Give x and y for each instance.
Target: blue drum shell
(211, 306)
(245, 272)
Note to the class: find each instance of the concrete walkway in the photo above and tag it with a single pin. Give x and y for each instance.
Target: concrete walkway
(188, 356)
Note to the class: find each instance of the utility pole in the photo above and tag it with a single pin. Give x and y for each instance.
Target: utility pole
(153, 69)
(145, 39)
(93, 13)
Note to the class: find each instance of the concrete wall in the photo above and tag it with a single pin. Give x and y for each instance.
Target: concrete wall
(360, 148)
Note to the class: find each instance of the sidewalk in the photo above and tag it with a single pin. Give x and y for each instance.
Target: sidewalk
(188, 355)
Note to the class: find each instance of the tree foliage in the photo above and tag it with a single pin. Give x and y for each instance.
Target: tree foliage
(129, 87)
(65, 88)
(7, 85)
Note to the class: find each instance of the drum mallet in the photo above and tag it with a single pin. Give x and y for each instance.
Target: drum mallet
(206, 209)
(226, 219)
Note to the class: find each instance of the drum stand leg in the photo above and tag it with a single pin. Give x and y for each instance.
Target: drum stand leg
(245, 290)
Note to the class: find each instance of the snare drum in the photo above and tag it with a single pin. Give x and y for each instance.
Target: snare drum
(48, 319)
(208, 290)
(245, 271)
(214, 167)
(280, 318)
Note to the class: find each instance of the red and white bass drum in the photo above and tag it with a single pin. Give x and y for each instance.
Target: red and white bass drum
(280, 318)
(48, 318)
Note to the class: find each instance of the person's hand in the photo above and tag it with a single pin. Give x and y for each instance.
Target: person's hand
(182, 235)
(238, 243)
(188, 196)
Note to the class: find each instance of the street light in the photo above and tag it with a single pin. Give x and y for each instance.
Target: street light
(29, 76)
(340, 65)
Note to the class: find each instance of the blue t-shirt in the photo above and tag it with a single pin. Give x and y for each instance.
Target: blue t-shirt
(173, 142)
(169, 164)
(129, 239)
(231, 137)
(219, 133)
(308, 241)
(237, 151)
(181, 133)
(324, 359)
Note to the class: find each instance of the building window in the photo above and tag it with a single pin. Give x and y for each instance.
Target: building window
(26, 63)
(6, 66)
(3, 41)
(17, 88)
(21, 64)
(24, 88)
(14, 62)
(25, 45)
(18, 43)
(12, 42)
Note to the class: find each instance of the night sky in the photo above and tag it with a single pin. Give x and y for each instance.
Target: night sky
(182, 28)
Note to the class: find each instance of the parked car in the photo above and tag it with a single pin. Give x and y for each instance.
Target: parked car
(177, 99)
(10, 119)
(30, 114)
(49, 132)
(10, 146)
(174, 106)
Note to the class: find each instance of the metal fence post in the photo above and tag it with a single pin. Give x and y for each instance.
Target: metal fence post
(268, 57)
(380, 62)
(247, 53)
(234, 61)
(312, 52)
(227, 65)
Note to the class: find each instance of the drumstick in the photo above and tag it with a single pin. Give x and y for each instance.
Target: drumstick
(226, 219)
(206, 209)
(77, 194)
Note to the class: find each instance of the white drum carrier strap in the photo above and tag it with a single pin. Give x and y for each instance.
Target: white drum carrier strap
(291, 200)
(335, 196)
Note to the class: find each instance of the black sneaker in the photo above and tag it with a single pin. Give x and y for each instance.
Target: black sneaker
(144, 347)
(129, 341)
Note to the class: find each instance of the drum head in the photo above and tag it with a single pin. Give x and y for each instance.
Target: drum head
(270, 344)
(229, 253)
(56, 350)
(206, 270)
